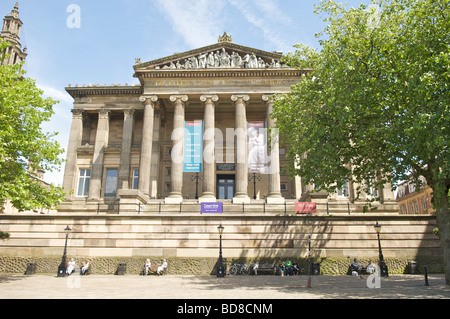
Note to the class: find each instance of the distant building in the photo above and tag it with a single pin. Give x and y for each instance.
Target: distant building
(11, 33)
(413, 201)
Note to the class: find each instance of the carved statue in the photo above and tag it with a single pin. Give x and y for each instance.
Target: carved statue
(221, 60)
(224, 59)
(202, 61)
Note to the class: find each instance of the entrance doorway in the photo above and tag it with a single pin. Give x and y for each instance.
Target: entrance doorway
(225, 186)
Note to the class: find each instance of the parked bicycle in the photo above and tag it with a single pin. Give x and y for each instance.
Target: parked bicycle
(242, 269)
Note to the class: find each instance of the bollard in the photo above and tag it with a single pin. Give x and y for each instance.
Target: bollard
(426, 275)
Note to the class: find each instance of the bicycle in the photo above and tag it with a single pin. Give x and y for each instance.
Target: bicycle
(243, 269)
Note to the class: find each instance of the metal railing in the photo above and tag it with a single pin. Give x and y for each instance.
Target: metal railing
(287, 208)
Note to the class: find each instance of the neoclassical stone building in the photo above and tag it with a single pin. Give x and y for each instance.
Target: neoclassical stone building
(189, 131)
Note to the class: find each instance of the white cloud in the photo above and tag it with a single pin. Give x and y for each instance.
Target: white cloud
(266, 16)
(197, 21)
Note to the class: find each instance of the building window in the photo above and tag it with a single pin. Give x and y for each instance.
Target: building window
(135, 182)
(343, 191)
(416, 206)
(111, 183)
(283, 187)
(424, 203)
(83, 183)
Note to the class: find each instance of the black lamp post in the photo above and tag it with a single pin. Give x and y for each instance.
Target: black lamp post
(196, 178)
(381, 262)
(63, 266)
(220, 266)
(254, 177)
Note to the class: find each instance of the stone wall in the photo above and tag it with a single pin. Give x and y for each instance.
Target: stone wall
(204, 267)
(191, 243)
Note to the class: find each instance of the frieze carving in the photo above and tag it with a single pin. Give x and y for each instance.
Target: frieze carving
(221, 59)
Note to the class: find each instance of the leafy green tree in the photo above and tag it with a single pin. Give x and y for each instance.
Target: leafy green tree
(24, 147)
(373, 105)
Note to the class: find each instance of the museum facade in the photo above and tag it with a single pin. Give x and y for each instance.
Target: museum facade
(195, 128)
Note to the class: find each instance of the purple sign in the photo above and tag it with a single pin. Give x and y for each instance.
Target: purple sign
(212, 208)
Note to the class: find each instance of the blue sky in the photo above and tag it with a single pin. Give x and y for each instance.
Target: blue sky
(113, 33)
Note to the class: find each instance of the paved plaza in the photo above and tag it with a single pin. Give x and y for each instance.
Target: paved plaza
(230, 287)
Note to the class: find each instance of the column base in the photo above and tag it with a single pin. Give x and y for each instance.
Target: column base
(207, 199)
(173, 199)
(275, 200)
(241, 199)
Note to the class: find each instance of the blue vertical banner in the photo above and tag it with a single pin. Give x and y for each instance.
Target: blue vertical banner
(193, 147)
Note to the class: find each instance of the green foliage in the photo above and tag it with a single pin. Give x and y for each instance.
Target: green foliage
(373, 106)
(24, 147)
(4, 235)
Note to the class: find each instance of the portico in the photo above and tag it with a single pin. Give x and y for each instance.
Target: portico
(195, 124)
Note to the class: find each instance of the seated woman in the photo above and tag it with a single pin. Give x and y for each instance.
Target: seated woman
(70, 266)
(162, 267)
(147, 267)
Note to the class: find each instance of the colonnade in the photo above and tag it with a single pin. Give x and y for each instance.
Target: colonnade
(179, 103)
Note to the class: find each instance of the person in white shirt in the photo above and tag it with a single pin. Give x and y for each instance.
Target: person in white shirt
(71, 266)
(147, 266)
(162, 267)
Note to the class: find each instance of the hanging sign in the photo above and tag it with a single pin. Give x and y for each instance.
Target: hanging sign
(193, 147)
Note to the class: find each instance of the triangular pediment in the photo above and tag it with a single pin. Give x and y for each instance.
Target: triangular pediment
(221, 55)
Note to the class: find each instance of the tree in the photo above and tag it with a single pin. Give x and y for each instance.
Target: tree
(373, 107)
(24, 147)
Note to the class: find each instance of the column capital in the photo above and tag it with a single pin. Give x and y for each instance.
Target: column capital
(245, 98)
(103, 114)
(213, 98)
(129, 113)
(77, 114)
(268, 98)
(183, 98)
(147, 99)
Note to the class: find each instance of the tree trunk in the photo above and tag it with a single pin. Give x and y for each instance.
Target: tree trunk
(443, 221)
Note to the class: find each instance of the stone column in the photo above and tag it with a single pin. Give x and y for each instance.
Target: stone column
(176, 175)
(241, 194)
(101, 141)
(209, 180)
(125, 155)
(147, 143)
(75, 139)
(274, 196)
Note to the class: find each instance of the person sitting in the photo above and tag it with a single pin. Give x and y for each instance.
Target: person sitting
(356, 268)
(161, 268)
(295, 268)
(147, 267)
(70, 266)
(371, 268)
(281, 268)
(255, 267)
(85, 267)
(289, 270)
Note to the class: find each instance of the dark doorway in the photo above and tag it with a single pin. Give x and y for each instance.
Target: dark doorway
(225, 186)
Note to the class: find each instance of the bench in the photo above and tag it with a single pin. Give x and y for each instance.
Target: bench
(351, 269)
(265, 268)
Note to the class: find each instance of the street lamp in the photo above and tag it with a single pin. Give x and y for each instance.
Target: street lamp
(254, 183)
(220, 266)
(196, 178)
(381, 262)
(63, 266)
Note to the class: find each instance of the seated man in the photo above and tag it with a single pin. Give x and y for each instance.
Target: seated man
(356, 267)
(162, 267)
(85, 268)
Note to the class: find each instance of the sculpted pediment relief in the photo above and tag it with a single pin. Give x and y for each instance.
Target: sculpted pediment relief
(223, 55)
